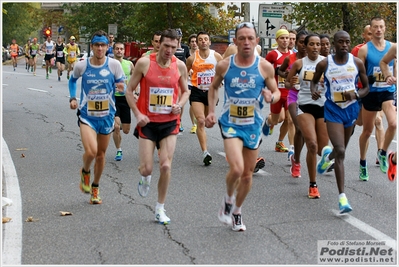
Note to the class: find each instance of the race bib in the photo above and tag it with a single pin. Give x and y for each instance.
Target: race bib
(242, 111)
(60, 54)
(204, 80)
(97, 105)
(161, 100)
(379, 78)
(72, 54)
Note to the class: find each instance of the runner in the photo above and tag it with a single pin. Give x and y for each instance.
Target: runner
(341, 72)
(157, 113)
(241, 118)
(122, 116)
(72, 51)
(27, 55)
(33, 51)
(96, 110)
(381, 96)
(192, 43)
(390, 79)
(294, 155)
(279, 110)
(202, 64)
(310, 111)
(59, 56)
(155, 42)
(48, 49)
(14, 48)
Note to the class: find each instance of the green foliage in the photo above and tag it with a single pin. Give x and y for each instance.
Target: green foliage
(352, 17)
(20, 22)
(138, 21)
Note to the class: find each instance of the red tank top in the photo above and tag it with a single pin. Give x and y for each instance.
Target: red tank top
(159, 90)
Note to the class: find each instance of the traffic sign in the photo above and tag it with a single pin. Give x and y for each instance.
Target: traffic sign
(270, 19)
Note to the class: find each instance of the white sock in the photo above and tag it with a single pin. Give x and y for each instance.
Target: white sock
(159, 206)
(119, 149)
(229, 199)
(341, 195)
(236, 210)
(292, 147)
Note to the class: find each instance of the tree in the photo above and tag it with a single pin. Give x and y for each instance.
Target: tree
(20, 27)
(329, 17)
(138, 21)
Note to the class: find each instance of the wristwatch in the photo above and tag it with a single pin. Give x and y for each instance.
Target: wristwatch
(357, 95)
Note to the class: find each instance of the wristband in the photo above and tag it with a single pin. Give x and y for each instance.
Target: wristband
(276, 71)
(357, 95)
(71, 99)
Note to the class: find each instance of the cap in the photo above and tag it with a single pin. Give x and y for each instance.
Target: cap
(72, 38)
(179, 32)
(281, 32)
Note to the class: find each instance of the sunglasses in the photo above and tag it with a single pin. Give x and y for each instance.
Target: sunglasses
(245, 24)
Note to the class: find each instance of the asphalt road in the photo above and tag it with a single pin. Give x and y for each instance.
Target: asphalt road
(283, 225)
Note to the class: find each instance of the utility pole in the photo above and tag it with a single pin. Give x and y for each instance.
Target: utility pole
(245, 8)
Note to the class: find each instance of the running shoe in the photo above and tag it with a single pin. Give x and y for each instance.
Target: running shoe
(181, 129)
(224, 214)
(392, 167)
(119, 156)
(260, 163)
(95, 195)
(344, 205)
(322, 165)
(14, 69)
(280, 147)
(271, 130)
(47, 76)
(34, 74)
(331, 167)
(290, 152)
(295, 168)
(265, 128)
(383, 162)
(313, 192)
(85, 182)
(144, 186)
(207, 158)
(238, 225)
(363, 173)
(377, 162)
(161, 217)
(49, 70)
(59, 79)
(193, 129)
(68, 76)
(60, 73)
(31, 69)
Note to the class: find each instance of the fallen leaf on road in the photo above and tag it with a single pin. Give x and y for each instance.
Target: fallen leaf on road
(64, 213)
(22, 155)
(30, 219)
(6, 219)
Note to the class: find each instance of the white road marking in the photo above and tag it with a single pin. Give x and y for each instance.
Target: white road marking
(368, 229)
(38, 90)
(12, 234)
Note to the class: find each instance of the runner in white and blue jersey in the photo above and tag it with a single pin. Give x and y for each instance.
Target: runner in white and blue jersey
(246, 77)
(101, 76)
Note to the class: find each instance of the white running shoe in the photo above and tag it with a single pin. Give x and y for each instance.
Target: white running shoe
(224, 214)
(238, 225)
(161, 217)
(144, 186)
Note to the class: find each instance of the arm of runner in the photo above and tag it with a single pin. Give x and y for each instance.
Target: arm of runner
(320, 68)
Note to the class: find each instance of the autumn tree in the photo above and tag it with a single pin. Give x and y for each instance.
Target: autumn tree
(20, 27)
(322, 17)
(138, 21)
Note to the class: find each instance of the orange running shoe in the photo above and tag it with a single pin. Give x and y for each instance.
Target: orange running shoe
(295, 168)
(95, 196)
(260, 163)
(280, 147)
(85, 181)
(313, 192)
(391, 167)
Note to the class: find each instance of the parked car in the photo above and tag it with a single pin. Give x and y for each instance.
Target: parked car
(6, 54)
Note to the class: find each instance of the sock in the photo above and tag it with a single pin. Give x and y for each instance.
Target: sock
(341, 195)
(236, 210)
(313, 184)
(292, 147)
(159, 206)
(94, 185)
(83, 170)
(119, 149)
(363, 163)
(229, 199)
(383, 152)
